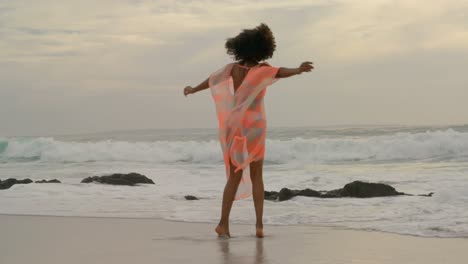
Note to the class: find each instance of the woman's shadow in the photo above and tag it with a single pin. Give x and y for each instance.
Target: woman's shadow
(229, 257)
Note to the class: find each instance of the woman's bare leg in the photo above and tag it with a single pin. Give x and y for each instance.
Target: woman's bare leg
(228, 198)
(258, 191)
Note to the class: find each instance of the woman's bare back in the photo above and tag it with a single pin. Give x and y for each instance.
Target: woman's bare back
(238, 74)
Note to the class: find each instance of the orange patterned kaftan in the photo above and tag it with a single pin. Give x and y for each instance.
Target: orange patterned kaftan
(241, 116)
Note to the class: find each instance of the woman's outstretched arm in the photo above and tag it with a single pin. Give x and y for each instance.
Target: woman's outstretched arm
(202, 86)
(288, 72)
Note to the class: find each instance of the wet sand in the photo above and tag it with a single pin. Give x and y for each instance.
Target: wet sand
(69, 240)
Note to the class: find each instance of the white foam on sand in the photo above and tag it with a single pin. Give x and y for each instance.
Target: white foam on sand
(445, 214)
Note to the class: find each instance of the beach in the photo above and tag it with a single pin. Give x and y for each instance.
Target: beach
(51, 239)
(77, 222)
(414, 160)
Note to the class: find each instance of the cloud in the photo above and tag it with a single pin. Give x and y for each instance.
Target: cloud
(54, 53)
(342, 30)
(366, 30)
(90, 26)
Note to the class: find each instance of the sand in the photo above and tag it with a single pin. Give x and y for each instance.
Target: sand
(68, 240)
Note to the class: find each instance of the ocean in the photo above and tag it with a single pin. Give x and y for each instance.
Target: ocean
(414, 160)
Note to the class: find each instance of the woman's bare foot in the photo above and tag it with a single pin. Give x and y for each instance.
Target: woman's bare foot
(222, 231)
(259, 231)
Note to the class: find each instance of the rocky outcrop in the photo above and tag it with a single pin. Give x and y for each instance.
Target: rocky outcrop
(271, 195)
(361, 189)
(120, 179)
(48, 181)
(6, 184)
(356, 189)
(286, 194)
(191, 197)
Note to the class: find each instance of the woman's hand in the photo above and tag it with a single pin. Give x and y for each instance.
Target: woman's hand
(188, 90)
(305, 67)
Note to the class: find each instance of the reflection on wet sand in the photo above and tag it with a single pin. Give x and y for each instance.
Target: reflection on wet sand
(233, 258)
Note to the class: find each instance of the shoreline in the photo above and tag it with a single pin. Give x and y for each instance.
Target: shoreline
(335, 227)
(66, 239)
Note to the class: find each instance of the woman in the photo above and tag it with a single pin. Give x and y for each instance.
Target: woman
(238, 89)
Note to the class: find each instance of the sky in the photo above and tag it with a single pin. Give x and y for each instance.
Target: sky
(69, 67)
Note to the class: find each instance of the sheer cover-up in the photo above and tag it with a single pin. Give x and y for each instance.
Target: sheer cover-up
(241, 117)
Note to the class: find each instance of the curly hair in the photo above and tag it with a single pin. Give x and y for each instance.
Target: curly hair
(256, 44)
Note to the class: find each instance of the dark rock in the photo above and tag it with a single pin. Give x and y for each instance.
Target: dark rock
(6, 184)
(331, 194)
(272, 196)
(356, 189)
(191, 197)
(48, 181)
(286, 194)
(120, 179)
(427, 195)
(361, 189)
(25, 181)
(309, 193)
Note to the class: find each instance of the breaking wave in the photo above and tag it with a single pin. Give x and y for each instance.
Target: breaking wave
(431, 145)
